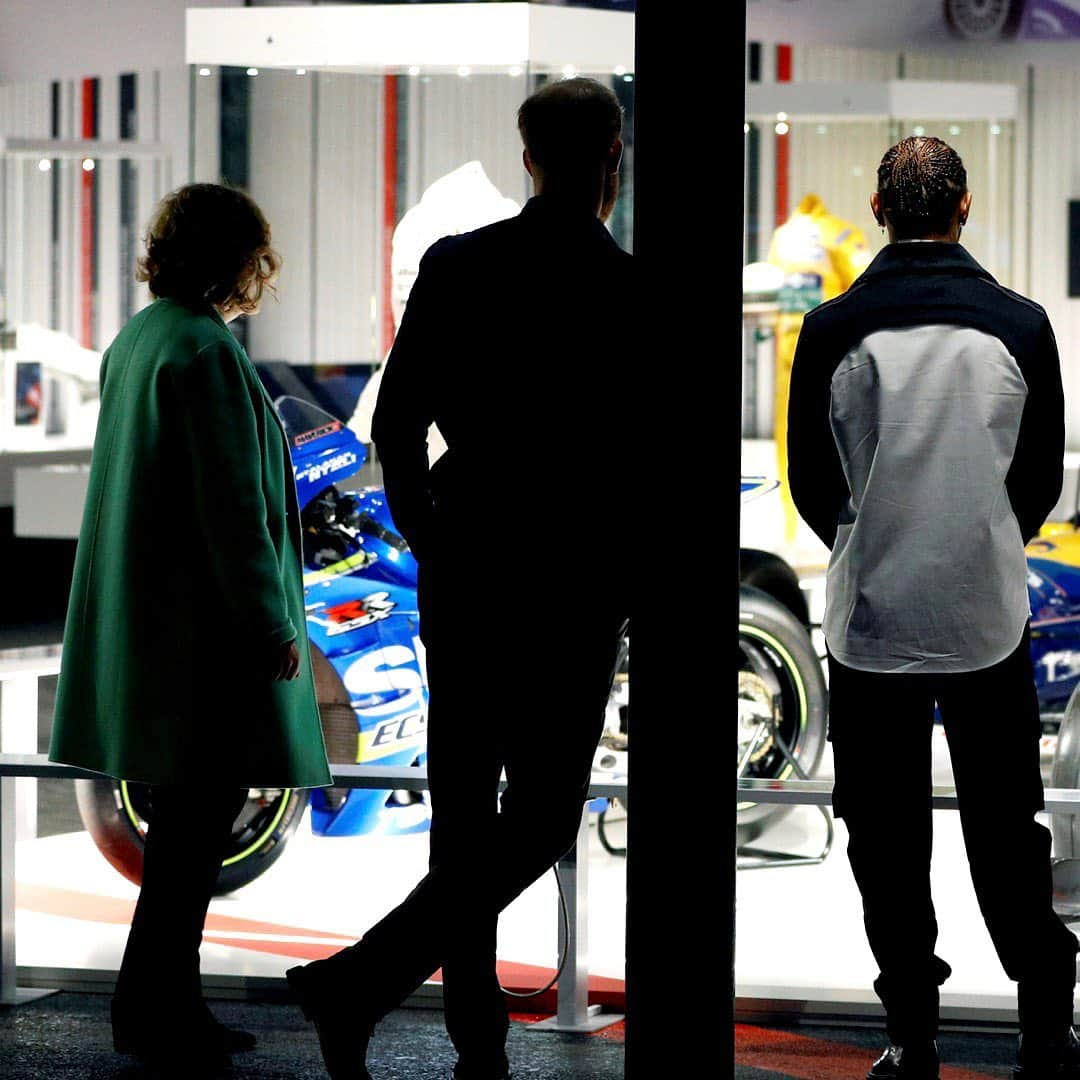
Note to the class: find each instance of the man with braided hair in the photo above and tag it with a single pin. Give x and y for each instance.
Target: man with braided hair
(925, 447)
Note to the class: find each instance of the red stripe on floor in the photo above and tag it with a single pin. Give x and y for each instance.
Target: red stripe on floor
(805, 1058)
(47, 900)
(71, 904)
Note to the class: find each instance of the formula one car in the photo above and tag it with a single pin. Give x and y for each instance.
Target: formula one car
(782, 696)
(368, 660)
(782, 700)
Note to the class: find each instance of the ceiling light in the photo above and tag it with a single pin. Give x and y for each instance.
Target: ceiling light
(253, 72)
(414, 71)
(620, 70)
(44, 165)
(782, 128)
(204, 72)
(516, 71)
(88, 164)
(464, 71)
(301, 71)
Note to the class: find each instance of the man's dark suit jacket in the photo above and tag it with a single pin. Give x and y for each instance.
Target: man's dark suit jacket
(515, 342)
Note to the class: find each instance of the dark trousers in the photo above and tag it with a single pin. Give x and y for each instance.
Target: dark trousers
(188, 834)
(519, 679)
(880, 727)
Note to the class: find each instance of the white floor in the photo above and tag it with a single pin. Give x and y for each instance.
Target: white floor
(799, 933)
(73, 908)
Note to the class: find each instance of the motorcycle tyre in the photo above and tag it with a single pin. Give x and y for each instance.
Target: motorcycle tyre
(759, 613)
(105, 818)
(1006, 29)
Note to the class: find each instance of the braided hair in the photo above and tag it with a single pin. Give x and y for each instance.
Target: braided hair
(921, 181)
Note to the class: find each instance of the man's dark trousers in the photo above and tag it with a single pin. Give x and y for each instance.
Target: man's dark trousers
(520, 665)
(880, 726)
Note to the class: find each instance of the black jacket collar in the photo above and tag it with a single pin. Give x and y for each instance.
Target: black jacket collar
(924, 257)
(548, 213)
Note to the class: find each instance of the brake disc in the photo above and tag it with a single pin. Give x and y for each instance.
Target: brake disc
(755, 713)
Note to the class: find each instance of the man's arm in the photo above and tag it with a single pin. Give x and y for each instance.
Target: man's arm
(404, 410)
(815, 473)
(1034, 479)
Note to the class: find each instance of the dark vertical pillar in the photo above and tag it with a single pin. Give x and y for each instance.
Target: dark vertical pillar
(235, 145)
(129, 227)
(54, 212)
(689, 112)
(754, 245)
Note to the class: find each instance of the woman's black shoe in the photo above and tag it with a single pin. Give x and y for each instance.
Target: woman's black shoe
(343, 1037)
(1048, 1059)
(202, 1041)
(913, 1062)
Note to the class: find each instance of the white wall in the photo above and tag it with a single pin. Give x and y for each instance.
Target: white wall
(25, 253)
(66, 39)
(1037, 174)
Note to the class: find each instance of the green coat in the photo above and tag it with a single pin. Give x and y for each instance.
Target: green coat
(188, 573)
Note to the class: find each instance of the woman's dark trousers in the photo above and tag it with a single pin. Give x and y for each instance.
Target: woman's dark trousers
(189, 829)
(880, 727)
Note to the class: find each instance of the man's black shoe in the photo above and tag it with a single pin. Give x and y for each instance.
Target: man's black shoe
(343, 1036)
(1048, 1059)
(906, 1063)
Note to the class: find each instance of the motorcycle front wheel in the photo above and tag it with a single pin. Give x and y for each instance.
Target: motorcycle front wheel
(115, 814)
(781, 703)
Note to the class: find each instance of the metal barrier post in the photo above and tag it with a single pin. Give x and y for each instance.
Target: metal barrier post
(574, 1013)
(8, 992)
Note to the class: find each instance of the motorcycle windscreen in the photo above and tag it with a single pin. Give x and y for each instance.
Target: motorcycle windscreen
(324, 451)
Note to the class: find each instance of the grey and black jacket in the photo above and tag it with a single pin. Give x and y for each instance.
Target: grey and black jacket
(925, 447)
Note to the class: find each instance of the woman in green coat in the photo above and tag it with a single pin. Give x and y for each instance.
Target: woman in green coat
(185, 662)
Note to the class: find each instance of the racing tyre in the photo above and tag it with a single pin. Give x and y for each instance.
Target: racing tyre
(984, 20)
(781, 700)
(115, 814)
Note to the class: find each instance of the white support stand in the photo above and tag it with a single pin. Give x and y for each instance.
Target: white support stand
(10, 994)
(18, 735)
(18, 804)
(574, 1013)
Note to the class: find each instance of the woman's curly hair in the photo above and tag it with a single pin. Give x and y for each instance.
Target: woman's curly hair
(209, 244)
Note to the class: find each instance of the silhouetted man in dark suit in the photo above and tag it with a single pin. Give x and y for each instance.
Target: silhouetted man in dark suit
(513, 341)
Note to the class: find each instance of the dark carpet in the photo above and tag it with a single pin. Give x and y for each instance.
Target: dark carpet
(841, 1053)
(67, 1035)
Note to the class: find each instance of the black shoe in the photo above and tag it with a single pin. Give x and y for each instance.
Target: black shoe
(917, 1062)
(470, 1074)
(1043, 1059)
(199, 1044)
(235, 1040)
(343, 1036)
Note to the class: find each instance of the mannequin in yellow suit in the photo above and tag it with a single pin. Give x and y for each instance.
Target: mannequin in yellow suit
(821, 256)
